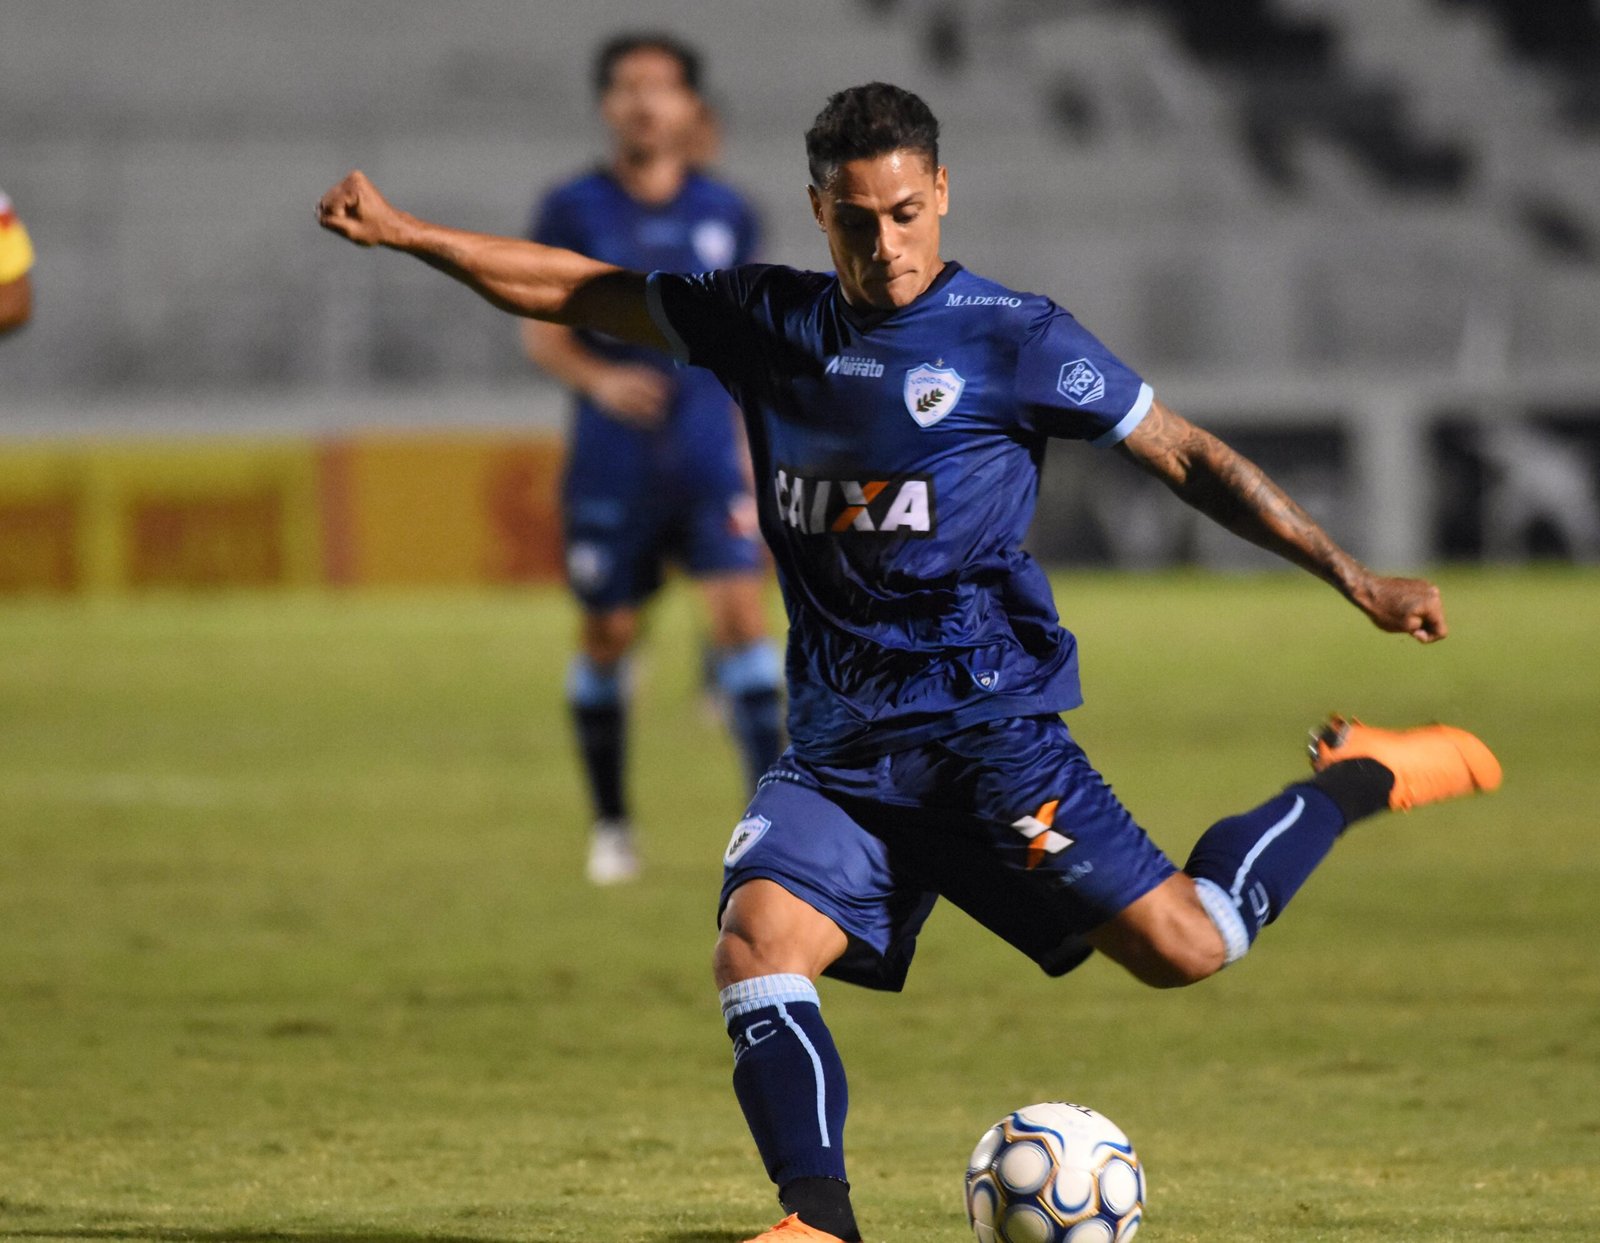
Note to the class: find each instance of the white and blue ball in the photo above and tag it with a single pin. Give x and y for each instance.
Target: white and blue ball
(1054, 1173)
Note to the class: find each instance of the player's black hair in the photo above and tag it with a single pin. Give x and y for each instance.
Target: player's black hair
(618, 46)
(869, 120)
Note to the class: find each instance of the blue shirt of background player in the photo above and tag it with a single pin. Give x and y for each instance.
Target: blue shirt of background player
(708, 225)
(897, 457)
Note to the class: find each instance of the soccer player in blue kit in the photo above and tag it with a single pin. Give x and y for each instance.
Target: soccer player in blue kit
(897, 410)
(656, 467)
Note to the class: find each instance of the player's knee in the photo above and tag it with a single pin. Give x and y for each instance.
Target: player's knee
(1179, 964)
(1165, 939)
(736, 627)
(607, 637)
(743, 953)
(768, 931)
(1175, 965)
(737, 612)
(736, 957)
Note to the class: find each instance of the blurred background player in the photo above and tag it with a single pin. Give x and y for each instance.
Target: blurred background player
(656, 468)
(16, 259)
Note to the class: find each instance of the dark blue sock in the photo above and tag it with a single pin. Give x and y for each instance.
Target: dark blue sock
(787, 1076)
(1247, 867)
(599, 705)
(751, 677)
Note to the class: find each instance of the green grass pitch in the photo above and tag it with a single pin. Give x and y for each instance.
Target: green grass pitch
(293, 944)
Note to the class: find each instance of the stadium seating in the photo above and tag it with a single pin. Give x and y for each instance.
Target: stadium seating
(1280, 183)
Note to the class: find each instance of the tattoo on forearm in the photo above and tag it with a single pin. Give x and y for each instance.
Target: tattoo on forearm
(1237, 494)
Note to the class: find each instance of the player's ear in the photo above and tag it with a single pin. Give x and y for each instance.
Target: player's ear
(816, 207)
(941, 188)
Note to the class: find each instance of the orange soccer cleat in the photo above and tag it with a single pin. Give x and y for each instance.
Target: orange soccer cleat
(792, 1230)
(1430, 763)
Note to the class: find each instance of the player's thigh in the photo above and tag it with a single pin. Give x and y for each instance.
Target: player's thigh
(766, 930)
(804, 842)
(1046, 852)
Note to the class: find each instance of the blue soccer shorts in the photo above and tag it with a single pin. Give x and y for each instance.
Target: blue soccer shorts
(1007, 820)
(618, 547)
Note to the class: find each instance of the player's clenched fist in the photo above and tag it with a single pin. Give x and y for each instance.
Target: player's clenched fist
(354, 209)
(1404, 606)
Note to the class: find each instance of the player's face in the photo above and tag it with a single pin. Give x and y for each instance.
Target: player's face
(649, 107)
(881, 216)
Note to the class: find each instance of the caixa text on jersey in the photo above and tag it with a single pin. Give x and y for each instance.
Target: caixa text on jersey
(902, 506)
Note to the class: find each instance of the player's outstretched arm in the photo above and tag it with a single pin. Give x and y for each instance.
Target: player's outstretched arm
(1235, 492)
(523, 278)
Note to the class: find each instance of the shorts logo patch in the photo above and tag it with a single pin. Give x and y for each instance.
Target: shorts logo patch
(1081, 382)
(1042, 839)
(588, 566)
(746, 834)
(932, 392)
(987, 679)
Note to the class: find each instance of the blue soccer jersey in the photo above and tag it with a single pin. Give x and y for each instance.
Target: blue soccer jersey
(898, 457)
(707, 225)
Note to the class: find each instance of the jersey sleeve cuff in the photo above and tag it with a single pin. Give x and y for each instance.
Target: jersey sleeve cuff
(658, 313)
(1129, 421)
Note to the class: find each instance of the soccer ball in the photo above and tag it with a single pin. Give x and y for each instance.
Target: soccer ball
(1054, 1173)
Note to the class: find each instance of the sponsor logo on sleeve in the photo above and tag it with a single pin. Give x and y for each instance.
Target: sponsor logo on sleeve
(1081, 382)
(931, 392)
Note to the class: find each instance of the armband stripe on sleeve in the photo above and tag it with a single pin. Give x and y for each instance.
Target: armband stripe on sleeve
(1129, 421)
(658, 312)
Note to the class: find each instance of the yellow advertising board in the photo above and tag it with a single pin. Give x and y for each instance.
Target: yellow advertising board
(196, 514)
(43, 521)
(109, 516)
(442, 509)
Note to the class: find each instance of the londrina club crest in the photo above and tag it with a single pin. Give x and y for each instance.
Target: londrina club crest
(746, 834)
(932, 392)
